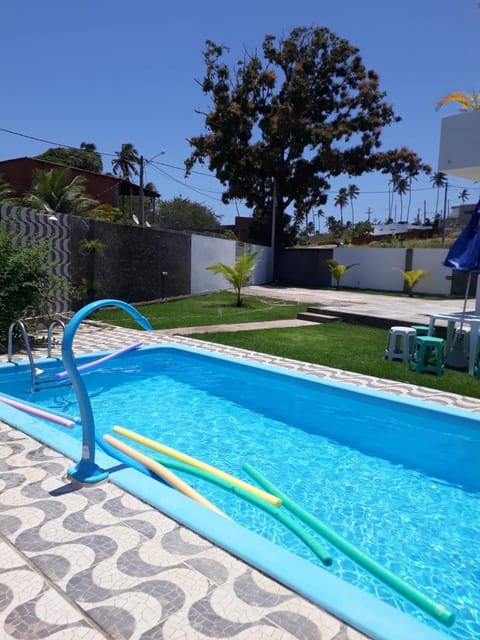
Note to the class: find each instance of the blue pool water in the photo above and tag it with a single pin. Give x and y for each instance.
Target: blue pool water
(399, 480)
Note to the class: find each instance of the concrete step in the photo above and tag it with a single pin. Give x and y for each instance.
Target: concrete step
(315, 315)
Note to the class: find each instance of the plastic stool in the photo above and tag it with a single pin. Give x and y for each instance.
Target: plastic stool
(420, 329)
(401, 341)
(427, 355)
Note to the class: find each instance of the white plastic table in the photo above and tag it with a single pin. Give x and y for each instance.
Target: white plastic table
(469, 318)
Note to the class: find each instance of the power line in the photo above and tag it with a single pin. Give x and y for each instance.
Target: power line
(56, 144)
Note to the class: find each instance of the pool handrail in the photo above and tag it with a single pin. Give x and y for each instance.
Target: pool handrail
(109, 356)
(86, 470)
(164, 473)
(438, 611)
(318, 549)
(195, 462)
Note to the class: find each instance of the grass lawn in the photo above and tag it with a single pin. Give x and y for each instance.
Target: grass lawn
(198, 311)
(344, 346)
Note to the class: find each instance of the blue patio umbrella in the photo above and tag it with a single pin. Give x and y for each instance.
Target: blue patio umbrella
(464, 255)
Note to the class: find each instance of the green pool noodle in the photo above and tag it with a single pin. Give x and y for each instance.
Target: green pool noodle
(318, 549)
(437, 611)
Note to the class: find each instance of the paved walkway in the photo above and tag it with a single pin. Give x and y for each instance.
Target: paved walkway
(399, 308)
(93, 563)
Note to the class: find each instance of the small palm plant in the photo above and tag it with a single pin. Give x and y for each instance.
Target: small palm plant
(337, 270)
(411, 278)
(238, 275)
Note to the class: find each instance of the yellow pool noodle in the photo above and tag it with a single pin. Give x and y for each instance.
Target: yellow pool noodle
(164, 473)
(183, 457)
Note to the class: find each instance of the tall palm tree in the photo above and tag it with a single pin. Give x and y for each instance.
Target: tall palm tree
(439, 180)
(341, 200)
(54, 191)
(401, 187)
(126, 161)
(320, 214)
(464, 195)
(353, 192)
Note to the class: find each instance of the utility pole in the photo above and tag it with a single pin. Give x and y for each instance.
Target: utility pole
(444, 214)
(141, 209)
(274, 230)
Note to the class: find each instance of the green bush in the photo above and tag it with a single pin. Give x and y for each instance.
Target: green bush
(27, 281)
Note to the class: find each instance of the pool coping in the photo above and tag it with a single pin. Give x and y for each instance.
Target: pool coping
(361, 610)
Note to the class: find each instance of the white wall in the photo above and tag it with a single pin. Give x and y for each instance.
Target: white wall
(207, 250)
(460, 145)
(432, 260)
(374, 268)
(264, 268)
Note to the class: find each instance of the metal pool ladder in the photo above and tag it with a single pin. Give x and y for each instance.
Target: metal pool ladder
(35, 371)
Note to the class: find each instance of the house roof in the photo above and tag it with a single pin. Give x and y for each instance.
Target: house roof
(125, 187)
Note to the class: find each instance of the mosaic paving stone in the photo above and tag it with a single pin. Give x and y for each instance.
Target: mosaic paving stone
(96, 563)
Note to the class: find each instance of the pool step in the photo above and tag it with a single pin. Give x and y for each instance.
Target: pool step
(314, 314)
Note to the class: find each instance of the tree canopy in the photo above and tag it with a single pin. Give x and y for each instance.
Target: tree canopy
(303, 112)
(182, 213)
(86, 157)
(126, 161)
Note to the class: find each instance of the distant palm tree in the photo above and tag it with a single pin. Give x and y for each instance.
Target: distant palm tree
(126, 161)
(464, 195)
(320, 214)
(341, 200)
(439, 180)
(88, 146)
(401, 187)
(353, 192)
(54, 191)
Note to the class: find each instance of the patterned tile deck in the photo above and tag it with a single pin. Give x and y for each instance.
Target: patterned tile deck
(96, 562)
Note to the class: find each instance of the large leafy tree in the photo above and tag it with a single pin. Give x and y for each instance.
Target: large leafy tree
(289, 120)
(182, 213)
(55, 190)
(86, 157)
(126, 161)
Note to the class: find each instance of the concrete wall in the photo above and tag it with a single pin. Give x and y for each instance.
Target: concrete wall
(134, 265)
(374, 268)
(55, 230)
(207, 250)
(304, 267)
(436, 281)
(459, 153)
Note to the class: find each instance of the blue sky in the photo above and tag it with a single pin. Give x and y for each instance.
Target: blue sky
(111, 72)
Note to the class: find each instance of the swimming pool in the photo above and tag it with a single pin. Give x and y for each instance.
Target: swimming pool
(396, 478)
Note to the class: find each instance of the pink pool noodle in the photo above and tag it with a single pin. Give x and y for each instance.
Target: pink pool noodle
(40, 413)
(114, 354)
